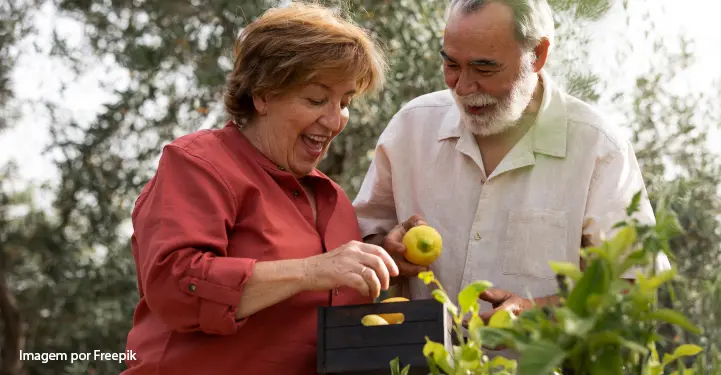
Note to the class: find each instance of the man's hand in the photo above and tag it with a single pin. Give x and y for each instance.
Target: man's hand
(503, 300)
(393, 244)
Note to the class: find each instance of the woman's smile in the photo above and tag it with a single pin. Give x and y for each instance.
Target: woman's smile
(314, 144)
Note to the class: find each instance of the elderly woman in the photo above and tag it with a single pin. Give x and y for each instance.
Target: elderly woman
(239, 239)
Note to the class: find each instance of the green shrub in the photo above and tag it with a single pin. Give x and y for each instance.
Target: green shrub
(603, 325)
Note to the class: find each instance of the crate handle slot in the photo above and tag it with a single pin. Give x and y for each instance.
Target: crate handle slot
(383, 319)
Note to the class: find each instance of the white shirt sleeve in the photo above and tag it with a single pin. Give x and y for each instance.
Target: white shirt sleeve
(374, 204)
(616, 179)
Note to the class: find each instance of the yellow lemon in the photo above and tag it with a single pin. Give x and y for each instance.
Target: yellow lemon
(394, 318)
(395, 299)
(373, 320)
(423, 245)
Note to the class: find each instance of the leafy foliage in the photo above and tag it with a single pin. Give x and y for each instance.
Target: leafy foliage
(603, 325)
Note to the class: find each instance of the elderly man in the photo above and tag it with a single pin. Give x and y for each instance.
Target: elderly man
(512, 171)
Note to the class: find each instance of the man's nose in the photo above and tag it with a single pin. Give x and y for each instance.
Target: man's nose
(466, 86)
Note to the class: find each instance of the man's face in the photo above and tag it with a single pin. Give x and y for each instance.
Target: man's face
(491, 75)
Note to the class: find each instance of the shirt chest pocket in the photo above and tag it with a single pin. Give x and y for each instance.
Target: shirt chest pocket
(535, 236)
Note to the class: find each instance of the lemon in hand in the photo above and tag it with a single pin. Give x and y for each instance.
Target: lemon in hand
(423, 245)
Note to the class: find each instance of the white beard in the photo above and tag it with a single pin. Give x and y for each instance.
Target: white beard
(507, 111)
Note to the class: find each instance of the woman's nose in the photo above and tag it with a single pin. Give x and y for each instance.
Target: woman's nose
(333, 117)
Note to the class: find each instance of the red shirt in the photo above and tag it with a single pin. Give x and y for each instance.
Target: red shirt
(214, 208)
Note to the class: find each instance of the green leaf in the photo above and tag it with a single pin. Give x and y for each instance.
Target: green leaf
(396, 369)
(468, 297)
(493, 337)
(470, 357)
(502, 319)
(686, 350)
(540, 358)
(608, 362)
(572, 324)
(595, 281)
(474, 326)
(638, 258)
(654, 369)
(633, 207)
(442, 297)
(499, 362)
(395, 366)
(674, 317)
(438, 354)
(567, 269)
(668, 225)
(660, 279)
(623, 239)
(633, 346)
(427, 277)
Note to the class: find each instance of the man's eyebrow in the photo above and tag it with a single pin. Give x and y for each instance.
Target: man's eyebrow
(445, 56)
(486, 62)
(480, 62)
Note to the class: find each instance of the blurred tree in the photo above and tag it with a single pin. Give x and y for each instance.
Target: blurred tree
(13, 329)
(670, 130)
(76, 287)
(14, 26)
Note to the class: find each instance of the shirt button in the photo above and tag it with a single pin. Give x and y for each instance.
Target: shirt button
(281, 168)
(478, 236)
(191, 287)
(296, 193)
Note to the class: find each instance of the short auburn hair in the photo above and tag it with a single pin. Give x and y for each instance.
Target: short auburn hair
(287, 48)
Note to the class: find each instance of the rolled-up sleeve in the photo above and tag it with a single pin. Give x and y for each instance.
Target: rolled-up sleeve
(181, 225)
(616, 180)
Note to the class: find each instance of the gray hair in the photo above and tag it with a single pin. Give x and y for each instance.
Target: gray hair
(533, 18)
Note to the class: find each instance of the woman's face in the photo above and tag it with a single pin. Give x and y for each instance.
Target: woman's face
(294, 129)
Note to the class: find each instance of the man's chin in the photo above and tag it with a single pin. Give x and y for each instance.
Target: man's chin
(486, 128)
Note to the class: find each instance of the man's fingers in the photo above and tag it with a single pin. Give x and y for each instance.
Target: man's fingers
(394, 246)
(394, 240)
(410, 269)
(494, 296)
(413, 221)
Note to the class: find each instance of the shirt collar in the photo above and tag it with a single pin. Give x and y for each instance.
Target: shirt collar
(240, 143)
(548, 134)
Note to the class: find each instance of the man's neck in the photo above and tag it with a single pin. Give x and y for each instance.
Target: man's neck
(495, 147)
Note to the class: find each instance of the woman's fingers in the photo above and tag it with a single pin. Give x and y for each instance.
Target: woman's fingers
(357, 282)
(377, 267)
(390, 264)
(371, 279)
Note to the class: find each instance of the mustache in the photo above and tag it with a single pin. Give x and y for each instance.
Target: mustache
(477, 100)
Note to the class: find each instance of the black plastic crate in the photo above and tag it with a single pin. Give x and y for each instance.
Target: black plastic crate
(345, 346)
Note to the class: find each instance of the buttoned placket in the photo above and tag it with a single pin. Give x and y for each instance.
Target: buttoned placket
(516, 158)
(334, 291)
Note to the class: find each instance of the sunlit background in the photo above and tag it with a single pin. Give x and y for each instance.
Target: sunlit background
(84, 134)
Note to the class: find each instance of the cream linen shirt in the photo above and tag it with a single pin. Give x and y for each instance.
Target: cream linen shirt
(571, 176)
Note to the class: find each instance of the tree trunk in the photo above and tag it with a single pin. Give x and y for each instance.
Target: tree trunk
(13, 339)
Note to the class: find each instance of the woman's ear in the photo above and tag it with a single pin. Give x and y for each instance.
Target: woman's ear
(261, 104)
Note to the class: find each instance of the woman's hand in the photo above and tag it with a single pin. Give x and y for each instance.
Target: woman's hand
(364, 267)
